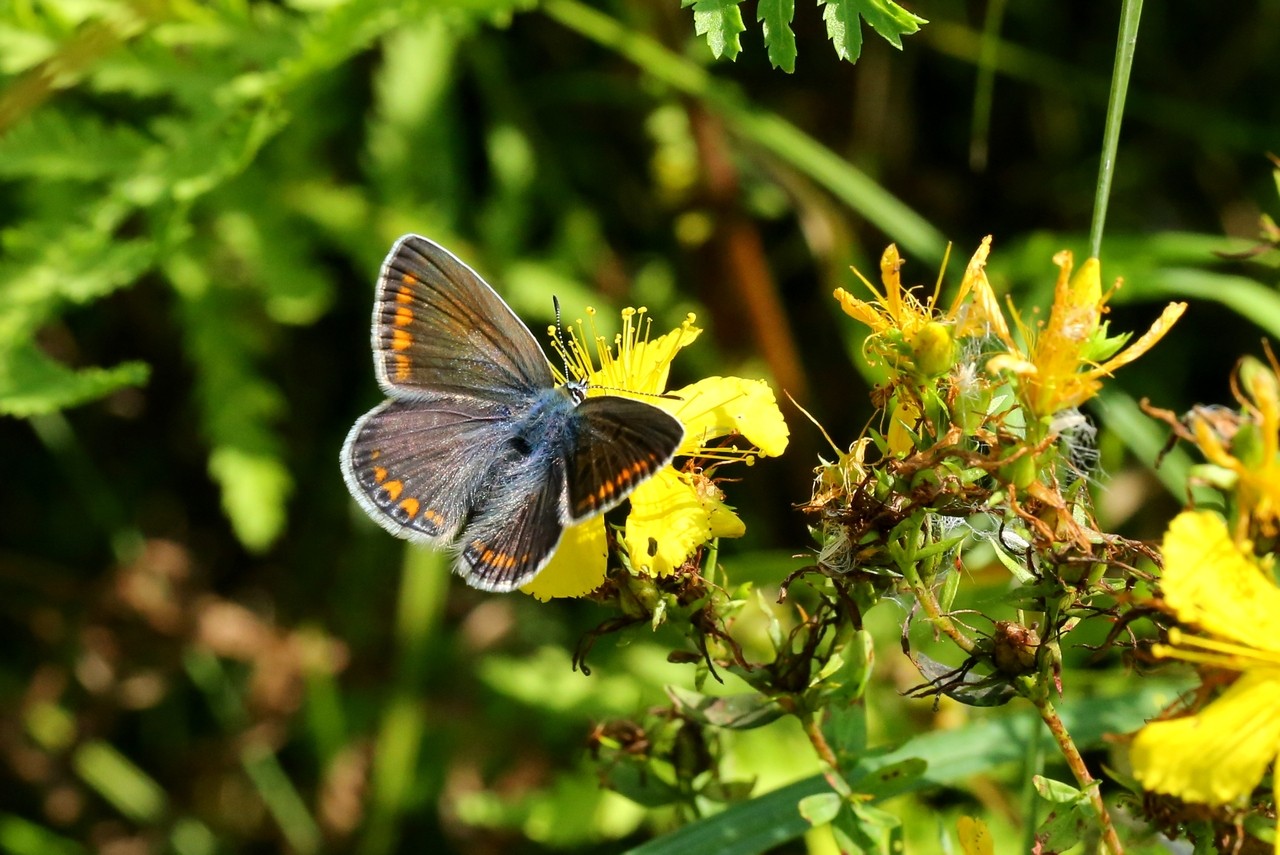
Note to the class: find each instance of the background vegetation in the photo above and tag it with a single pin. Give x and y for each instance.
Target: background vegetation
(209, 648)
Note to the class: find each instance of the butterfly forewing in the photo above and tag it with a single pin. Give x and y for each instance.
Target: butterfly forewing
(417, 467)
(439, 329)
(619, 443)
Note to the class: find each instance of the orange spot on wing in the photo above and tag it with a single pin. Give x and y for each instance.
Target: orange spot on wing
(394, 489)
(379, 474)
(401, 340)
(403, 367)
(403, 294)
(410, 507)
(404, 316)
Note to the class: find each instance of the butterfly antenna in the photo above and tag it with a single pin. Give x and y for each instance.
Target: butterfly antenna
(664, 395)
(560, 340)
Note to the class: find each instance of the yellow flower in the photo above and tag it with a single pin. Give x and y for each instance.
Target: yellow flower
(674, 512)
(908, 334)
(1215, 586)
(1253, 457)
(1059, 368)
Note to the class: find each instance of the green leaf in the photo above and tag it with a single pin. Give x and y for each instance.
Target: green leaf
(844, 26)
(844, 677)
(1057, 792)
(54, 145)
(775, 19)
(890, 20)
(255, 486)
(238, 406)
(735, 712)
(975, 690)
(33, 384)
(893, 779)
(820, 808)
(721, 22)
(1064, 827)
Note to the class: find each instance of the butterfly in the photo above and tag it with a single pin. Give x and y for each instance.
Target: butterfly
(477, 449)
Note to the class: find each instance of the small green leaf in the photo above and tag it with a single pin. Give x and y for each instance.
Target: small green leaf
(1056, 791)
(844, 677)
(820, 809)
(890, 20)
(721, 22)
(1065, 826)
(844, 25)
(843, 28)
(775, 19)
(891, 780)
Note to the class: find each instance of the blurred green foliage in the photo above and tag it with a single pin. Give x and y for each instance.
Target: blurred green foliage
(209, 649)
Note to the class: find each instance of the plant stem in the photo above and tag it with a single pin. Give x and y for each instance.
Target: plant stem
(933, 611)
(830, 765)
(1125, 44)
(1076, 763)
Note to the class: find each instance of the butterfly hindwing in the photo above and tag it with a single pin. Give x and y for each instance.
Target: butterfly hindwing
(516, 529)
(618, 443)
(439, 329)
(418, 467)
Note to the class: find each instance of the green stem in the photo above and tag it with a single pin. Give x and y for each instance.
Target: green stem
(1125, 45)
(984, 86)
(1075, 762)
(933, 611)
(765, 129)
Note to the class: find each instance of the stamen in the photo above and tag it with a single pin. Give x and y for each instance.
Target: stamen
(1229, 650)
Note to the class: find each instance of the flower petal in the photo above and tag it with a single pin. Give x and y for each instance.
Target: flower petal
(902, 426)
(725, 406)
(669, 520)
(1212, 584)
(862, 310)
(1171, 313)
(1218, 755)
(578, 566)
